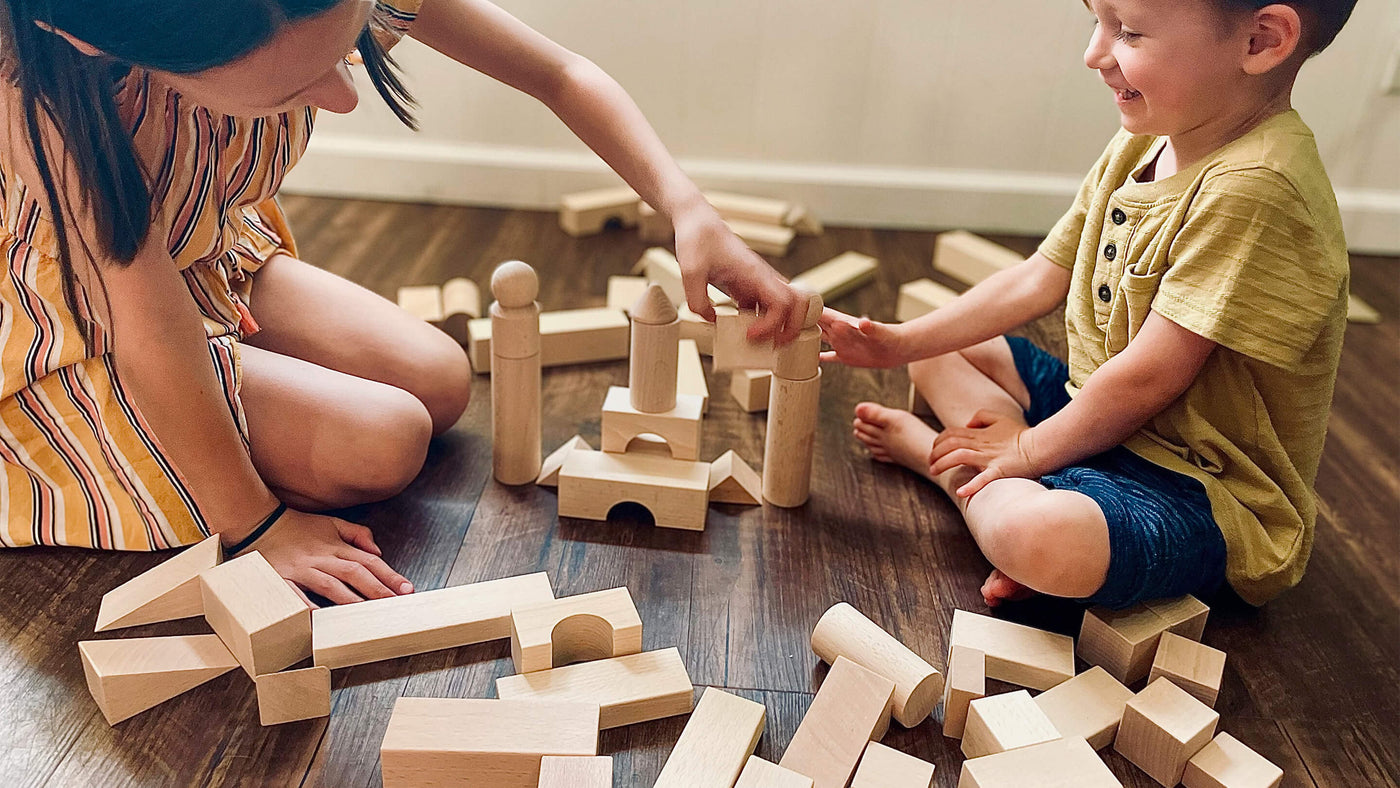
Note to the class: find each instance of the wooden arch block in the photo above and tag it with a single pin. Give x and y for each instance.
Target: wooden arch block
(599, 625)
(165, 592)
(676, 492)
(844, 631)
(733, 481)
(588, 213)
(126, 677)
(681, 427)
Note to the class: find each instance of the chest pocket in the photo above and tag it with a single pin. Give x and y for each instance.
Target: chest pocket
(1131, 304)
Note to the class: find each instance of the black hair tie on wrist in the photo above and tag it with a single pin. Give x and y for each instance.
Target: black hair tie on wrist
(259, 531)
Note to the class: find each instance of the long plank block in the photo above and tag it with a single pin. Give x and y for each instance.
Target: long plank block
(631, 689)
(919, 297)
(1016, 653)
(165, 592)
(1063, 763)
(576, 771)
(426, 621)
(851, 709)
(838, 276)
(971, 258)
(716, 743)
(570, 336)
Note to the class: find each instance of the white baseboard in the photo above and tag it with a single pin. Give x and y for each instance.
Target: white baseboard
(979, 200)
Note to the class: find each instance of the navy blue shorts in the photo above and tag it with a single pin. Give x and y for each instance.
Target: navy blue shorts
(1163, 539)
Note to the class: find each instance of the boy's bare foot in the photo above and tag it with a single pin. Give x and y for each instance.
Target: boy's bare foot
(895, 436)
(1000, 588)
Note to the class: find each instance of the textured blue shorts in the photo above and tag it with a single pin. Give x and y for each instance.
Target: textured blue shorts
(1163, 539)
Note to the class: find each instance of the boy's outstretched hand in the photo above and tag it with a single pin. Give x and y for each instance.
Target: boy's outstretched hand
(995, 445)
(710, 253)
(860, 341)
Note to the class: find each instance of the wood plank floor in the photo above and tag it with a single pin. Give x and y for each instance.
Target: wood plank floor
(1310, 682)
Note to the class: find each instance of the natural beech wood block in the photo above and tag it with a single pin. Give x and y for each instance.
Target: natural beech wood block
(733, 349)
(919, 297)
(1124, 642)
(759, 773)
(127, 677)
(549, 469)
(570, 336)
(165, 592)
(1196, 668)
(422, 301)
(653, 227)
(1063, 763)
(882, 767)
(751, 388)
(771, 240)
(1088, 706)
(631, 689)
(473, 743)
(461, 304)
(257, 615)
(804, 221)
(998, 723)
(623, 291)
(789, 448)
(574, 629)
(516, 420)
(970, 258)
(697, 329)
(690, 373)
(801, 359)
(733, 481)
(1226, 763)
(1016, 654)
(400, 626)
(1164, 727)
(653, 374)
(838, 276)
(681, 426)
(590, 212)
(658, 265)
(1185, 616)
(676, 492)
(843, 631)
(916, 404)
(967, 681)
(559, 771)
(717, 741)
(851, 709)
(763, 210)
(293, 695)
(1358, 311)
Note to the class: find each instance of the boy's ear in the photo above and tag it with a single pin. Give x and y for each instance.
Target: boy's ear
(1275, 33)
(78, 44)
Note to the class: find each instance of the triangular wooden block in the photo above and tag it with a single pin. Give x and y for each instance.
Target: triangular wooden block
(126, 677)
(163, 593)
(1359, 311)
(733, 481)
(549, 470)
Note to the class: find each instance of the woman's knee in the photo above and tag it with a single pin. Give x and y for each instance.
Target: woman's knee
(442, 381)
(383, 452)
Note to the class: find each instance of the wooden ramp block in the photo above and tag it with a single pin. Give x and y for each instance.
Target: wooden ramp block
(967, 681)
(294, 695)
(676, 492)
(574, 629)
(401, 626)
(751, 388)
(733, 481)
(1088, 706)
(1359, 311)
(998, 723)
(838, 276)
(422, 301)
(882, 767)
(690, 374)
(1064, 763)
(257, 615)
(682, 427)
(1226, 763)
(126, 677)
(1194, 667)
(570, 336)
(971, 258)
(1164, 727)
(919, 297)
(1124, 642)
(851, 709)
(164, 592)
(1016, 654)
(717, 741)
(590, 212)
(577, 771)
(631, 689)
(844, 631)
(549, 469)
(472, 743)
(774, 241)
(759, 773)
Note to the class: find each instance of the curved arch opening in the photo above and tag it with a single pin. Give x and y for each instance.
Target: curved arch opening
(650, 443)
(580, 638)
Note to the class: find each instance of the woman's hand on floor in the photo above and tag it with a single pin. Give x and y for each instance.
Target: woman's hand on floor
(330, 557)
(710, 253)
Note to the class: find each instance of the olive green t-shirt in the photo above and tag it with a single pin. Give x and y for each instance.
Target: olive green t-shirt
(1244, 248)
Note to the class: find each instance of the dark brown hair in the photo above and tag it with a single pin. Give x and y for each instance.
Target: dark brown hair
(1322, 19)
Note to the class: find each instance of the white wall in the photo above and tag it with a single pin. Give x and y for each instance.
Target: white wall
(913, 113)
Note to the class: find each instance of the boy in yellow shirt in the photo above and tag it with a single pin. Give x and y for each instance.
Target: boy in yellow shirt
(1205, 278)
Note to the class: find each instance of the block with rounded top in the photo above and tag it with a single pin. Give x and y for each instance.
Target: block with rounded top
(653, 307)
(814, 307)
(515, 284)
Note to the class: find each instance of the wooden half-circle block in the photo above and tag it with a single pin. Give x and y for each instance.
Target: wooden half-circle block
(580, 628)
(163, 593)
(733, 481)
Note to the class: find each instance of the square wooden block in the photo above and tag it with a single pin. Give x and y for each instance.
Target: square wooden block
(1226, 763)
(1089, 706)
(1196, 668)
(294, 695)
(1005, 722)
(1164, 727)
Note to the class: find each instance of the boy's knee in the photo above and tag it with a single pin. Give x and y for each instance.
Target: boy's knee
(1040, 542)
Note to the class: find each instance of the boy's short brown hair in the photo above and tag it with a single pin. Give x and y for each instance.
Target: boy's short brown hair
(1322, 19)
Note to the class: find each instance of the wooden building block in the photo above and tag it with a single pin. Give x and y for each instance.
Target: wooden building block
(589, 213)
(676, 492)
(971, 258)
(882, 767)
(1226, 763)
(838, 276)
(1196, 668)
(1088, 706)
(400, 626)
(1124, 642)
(257, 615)
(998, 723)
(1359, 311)
(653, 366)
(1063, 763)
(717, 741)
(771, 240)
(516, 398)
(1163, 728)
(461, 304)
(733, 481)
(681, 426)
(549, 469)
(804, 221)
(570, 336)
(1185, 616)
(733, 349)
(293, 695)
(629, 689)
(763, 210)
(128, 676)
(623, 291)
(759, 773)
(653, 227)
(165, 592)
(751, 388)
(574, 629)
(474, 743)
(422, 301)
(967, 681)
(1016, 653)
(576, 771)
(919, 297)
(851, 709)
(843, 631)
(697, 329)
(690, 373)
(789, 448)
(661, 267)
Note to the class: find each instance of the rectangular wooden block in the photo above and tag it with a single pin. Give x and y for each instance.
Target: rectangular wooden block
(1016, 653)
(919, 297)
(690, 374)
(1088, 706)
(682, 427)
(131, 675)
(475, 743)
(751, 388)
(1196, 668)
(629, 690)
(573, 629)
(293, 695)
(966, 682)
(576, 771)
(970, 258)
(1124, 642)
(588, 213)
(401, 626)
(716, 743)
(733, 350)
(759, 773)
(165, 592)
(571, 336)
(676, 492)
(623, 291)
(1226, 763)
(1163, 727)
(764, 210)
(998, 723)
(1185, 616)
(838, 276)
(851, 709)
(257, 615)
(660, 266)
(422, 301)
(1063, 763)
(774, 241)
(882, 767)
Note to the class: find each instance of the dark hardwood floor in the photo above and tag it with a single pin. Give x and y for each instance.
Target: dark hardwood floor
(1311, 680)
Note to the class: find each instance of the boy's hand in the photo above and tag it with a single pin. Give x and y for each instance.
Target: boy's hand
(710, 253)
(994, 444)
(859, 342)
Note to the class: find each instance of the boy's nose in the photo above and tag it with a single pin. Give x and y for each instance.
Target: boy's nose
(1099, 55)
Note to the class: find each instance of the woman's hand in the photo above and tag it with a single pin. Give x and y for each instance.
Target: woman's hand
(860, 341)
(994, 445)
(330, 557)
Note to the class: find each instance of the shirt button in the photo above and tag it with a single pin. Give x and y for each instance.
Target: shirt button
(1105, 294)
(1110, 252)
(1118, 216)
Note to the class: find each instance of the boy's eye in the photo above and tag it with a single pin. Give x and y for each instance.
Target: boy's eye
(1127, 36)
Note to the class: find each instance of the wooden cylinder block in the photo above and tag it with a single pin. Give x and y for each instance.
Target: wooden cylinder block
(789, 450)
(799, 360)
(844, 631)
(515, 332)
(515, 419)
(656, 335)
